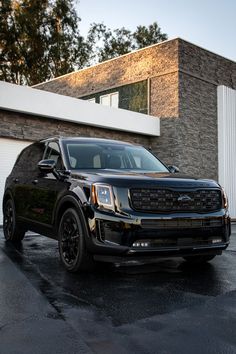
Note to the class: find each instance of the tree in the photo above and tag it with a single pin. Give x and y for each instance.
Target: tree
(106, 44)
(39, 40)
(145, 36)
(67, 49)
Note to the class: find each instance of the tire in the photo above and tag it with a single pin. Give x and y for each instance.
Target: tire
(12, 230)
(71, 240)
(199, 259)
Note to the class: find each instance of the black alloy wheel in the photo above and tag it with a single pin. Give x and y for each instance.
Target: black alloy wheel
(13, 231)
(72, 245)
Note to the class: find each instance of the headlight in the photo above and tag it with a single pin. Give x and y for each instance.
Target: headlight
(102, 196)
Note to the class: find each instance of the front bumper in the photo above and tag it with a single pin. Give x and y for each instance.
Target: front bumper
(159, 235)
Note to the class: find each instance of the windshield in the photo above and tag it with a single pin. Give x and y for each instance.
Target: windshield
(95, 155)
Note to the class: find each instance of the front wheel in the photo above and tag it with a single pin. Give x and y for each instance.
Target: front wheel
(199, 259)
(72, 247)
(12, 230)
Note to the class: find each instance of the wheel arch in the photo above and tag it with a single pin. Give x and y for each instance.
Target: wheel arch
(69, 201)
(7, 195)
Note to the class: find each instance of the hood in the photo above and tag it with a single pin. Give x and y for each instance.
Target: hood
(119, 178)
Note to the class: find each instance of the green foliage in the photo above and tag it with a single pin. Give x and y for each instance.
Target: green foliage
(67, 49)
(106, 44)
(40, 40)
(145, 36)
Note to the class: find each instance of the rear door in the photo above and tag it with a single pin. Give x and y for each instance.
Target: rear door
(22, 177)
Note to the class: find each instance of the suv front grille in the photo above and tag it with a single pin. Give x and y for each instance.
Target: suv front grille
(165, 200)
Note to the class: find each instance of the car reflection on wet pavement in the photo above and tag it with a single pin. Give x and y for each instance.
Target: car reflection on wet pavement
(166, 307)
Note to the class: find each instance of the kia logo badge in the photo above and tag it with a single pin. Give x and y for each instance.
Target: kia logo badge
(184, 199)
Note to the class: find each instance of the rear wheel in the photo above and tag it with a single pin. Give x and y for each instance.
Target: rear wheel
(72, 247)
(13, 231)
(199, 259)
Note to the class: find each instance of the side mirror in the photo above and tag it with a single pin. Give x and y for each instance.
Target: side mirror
(46, 166)
(173, 169)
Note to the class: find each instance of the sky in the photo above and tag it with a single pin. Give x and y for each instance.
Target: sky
(210, 24)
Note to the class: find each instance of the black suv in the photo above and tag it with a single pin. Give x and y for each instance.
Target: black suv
(105, 199)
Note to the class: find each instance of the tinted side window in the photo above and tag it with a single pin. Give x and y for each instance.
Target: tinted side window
(29, 158)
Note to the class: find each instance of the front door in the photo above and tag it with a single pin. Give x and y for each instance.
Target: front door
(47, 188)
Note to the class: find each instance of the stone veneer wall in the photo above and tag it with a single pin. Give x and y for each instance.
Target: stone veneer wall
(32, 128)
(200, 72)
(159, 62)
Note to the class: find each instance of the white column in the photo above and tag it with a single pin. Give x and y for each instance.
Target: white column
(227, 143)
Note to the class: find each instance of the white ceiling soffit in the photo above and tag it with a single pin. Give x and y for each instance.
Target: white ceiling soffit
(46, 104)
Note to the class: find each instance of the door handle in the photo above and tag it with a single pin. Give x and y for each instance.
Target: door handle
(35, 181)
(16, 180)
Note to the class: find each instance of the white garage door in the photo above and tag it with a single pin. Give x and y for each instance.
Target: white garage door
(9, 150)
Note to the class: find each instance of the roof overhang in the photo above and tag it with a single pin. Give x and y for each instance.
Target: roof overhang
(24, 99)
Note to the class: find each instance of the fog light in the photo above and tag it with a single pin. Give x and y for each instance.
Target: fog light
(216, 240)
(140, 244)
(136, 244)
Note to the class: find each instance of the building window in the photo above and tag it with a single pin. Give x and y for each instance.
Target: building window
(111, 99)
(93, 100)
(133, 97)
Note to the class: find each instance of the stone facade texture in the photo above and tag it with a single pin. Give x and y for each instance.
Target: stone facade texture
(32, 128)
(200, 72)
(182, 80)
(206, 65)
(151, 63)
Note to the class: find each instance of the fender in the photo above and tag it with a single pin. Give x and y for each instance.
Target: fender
(8, 192)
(66, 199)
(72, 199)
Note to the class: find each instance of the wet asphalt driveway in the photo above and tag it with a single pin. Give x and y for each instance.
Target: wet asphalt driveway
(167, 307)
